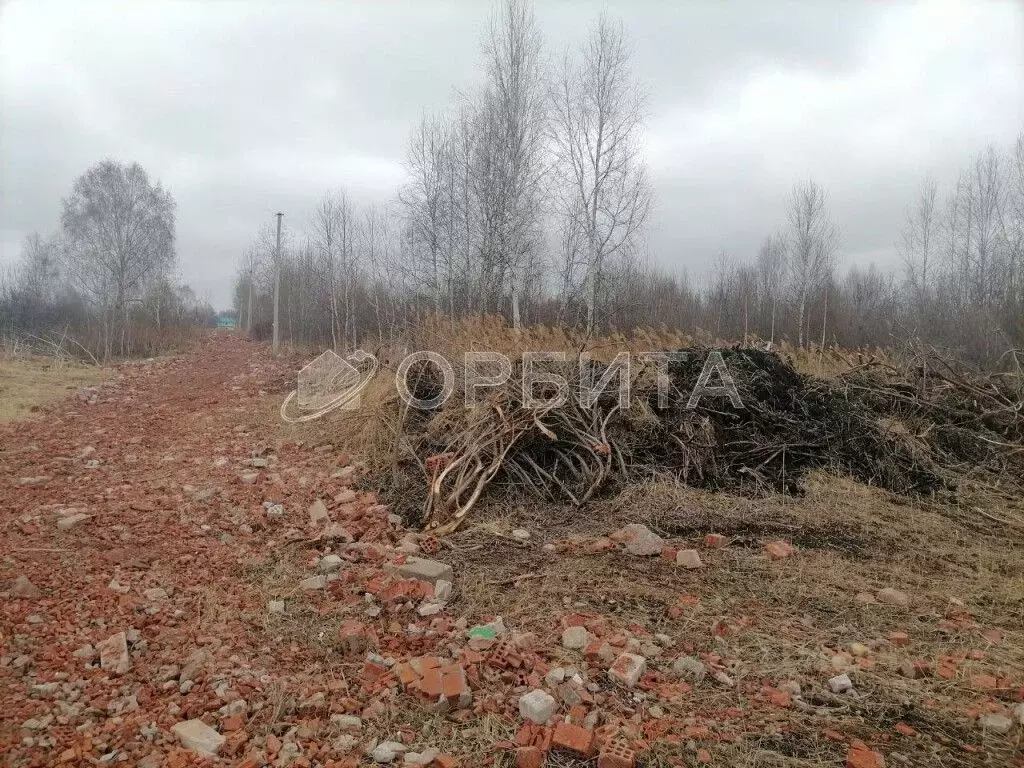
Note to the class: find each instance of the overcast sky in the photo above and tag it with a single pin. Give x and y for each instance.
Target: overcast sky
(246, 108)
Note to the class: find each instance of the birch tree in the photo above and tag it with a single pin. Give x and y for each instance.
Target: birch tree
(771, 263)
(513, 119)
(597, 119)
(328, 239)
(918, 243)
(38, 273)
(119, 234)
(425, 200)
(250, 261)
(811, 247)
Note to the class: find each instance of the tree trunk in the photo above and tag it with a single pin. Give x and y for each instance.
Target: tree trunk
(824, 319)
(800, 320)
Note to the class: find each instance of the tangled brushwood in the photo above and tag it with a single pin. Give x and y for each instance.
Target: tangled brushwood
(912, 431)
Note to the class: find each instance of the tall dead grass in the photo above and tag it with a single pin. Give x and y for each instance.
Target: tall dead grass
(365, 431)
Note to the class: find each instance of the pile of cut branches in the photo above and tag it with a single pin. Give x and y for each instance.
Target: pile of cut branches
(880, 425)
(970, 422)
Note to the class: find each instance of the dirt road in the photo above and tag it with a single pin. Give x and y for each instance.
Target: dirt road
(130, 514)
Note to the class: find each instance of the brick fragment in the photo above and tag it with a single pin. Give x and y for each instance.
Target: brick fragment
(628, 669)
(616, 753)
(573, 737)
(860, 755)
(355, 638)
(777, 550)
(529, 757)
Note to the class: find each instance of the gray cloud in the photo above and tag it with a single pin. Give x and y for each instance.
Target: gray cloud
(243, 109)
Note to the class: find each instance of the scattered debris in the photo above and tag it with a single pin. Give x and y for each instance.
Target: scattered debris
(114, 654)
(639, 540)
(24, 589)
(422, 569)
(689, 559)
(840, 684)
(890, 596)
(387, 751)
(197, 736)
(689, 668)
(318, 512)
(575, 638)
(537, 706)
(628, 669)
(1000, 724)
(616, 664)
(70, 521)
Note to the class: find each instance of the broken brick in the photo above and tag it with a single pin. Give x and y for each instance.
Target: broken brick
(529, 757)
(354, 637)
(577, 714)
(778, 698)
(862, 756)
(430, 545)
(984, 682)
(439, 682)
(777, 550)
(899, 638)
(628, 669)
(616, 753)
(573, 737)
(525, 735)
(505, 656)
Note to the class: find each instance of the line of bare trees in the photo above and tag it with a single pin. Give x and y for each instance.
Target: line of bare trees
(102, 285)
(533, 155)
(529, 197)
(959, 286)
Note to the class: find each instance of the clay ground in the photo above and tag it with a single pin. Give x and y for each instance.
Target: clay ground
(148, 512)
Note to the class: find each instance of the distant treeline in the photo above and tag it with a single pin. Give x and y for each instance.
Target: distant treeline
(529, 199)
(102, 285)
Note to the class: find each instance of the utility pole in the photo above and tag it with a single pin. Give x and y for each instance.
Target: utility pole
(277, 285)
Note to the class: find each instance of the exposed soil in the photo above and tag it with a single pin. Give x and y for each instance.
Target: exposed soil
(177, 464)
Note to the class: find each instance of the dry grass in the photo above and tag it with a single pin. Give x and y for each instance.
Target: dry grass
(364, 431)
(29, 383)
(961, 557)
(784, 620)
(790, 616)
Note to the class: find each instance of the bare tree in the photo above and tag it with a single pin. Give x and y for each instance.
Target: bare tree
(597, 117)
(918, 242)
(866, 293)
(119, 235)
(771, 264)
(426, 199)
(328, 239)
(38, 273)
(247, 269)
(811, 247)
(513, 119)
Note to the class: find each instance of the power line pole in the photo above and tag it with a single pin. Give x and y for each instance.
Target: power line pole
(277, 284)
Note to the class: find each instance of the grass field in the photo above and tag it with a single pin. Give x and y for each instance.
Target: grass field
(29, 383)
